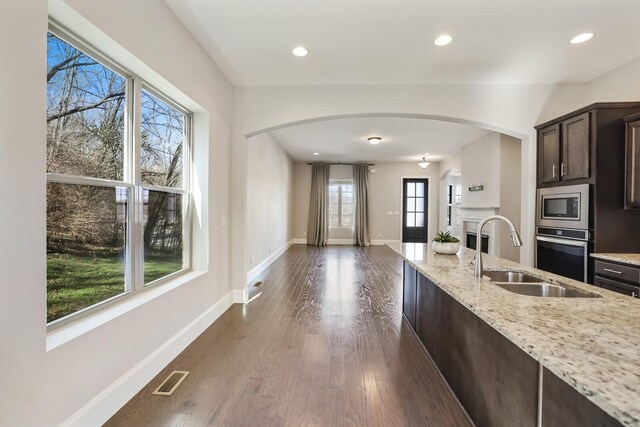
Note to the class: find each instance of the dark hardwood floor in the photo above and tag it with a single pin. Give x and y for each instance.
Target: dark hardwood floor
(323, 345)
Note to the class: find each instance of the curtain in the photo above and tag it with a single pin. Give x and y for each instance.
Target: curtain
(318, 225)
(361, 192)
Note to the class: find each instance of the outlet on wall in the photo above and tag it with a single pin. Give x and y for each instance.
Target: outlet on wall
(379, 234)
(252, 259)
(269, 249)
(305, 234)
(224, 221)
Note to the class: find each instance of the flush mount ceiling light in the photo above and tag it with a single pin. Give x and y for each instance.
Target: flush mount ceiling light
(443, 40)
(300, 51)
(423, 164)
(316, 154)
(374, 140)
(581, 38)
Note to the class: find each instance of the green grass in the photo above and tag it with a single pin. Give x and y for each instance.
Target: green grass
(75, 282)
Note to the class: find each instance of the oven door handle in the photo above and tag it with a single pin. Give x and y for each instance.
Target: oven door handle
(562, 241)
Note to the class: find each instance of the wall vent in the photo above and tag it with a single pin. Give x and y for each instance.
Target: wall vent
(170, 384)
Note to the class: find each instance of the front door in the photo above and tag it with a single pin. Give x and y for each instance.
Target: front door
(414, 210)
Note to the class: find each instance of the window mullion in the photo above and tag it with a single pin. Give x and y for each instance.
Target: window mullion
(340, 205)
(136, 247)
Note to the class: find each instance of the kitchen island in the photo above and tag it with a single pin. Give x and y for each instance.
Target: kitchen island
(522, 360)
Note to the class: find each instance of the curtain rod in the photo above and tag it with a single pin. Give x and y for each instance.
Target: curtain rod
(341, 163)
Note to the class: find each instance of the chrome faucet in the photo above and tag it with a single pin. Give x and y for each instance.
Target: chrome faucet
(515, 239)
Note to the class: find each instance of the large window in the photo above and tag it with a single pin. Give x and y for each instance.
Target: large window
(117, 181)
(341, 203)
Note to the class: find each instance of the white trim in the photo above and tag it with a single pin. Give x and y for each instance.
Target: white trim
(383, 242)
(341, 242)
(104, 405)
(299, 241)
(255, 271)
(239, 296)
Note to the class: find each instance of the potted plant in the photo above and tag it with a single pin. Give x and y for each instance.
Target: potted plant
(445, 243)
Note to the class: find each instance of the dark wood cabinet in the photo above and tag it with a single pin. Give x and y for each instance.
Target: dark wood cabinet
(632, 163)
(494, 380)
(588, 147)
(563, 150)
(575, 148)
(621, 278)
(563, 406)
(409, 294)
(549, 154)
(497, 383)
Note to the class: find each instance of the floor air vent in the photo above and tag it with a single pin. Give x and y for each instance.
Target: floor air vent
(257, 284)
(172, 382)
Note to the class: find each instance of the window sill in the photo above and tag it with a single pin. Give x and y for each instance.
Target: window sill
(69, 332)
(340, 228)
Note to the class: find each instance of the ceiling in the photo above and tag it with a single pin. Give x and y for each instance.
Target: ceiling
(391, 42)
(403, 139)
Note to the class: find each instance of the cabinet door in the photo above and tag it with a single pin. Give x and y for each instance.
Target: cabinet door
(632, 171)
(575, 148)
(409, 294)
(549, 154)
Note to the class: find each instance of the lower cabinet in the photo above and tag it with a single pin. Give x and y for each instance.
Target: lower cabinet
(495, 381)
(409, 294)
(564, 406)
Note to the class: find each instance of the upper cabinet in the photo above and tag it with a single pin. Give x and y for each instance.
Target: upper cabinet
(586, 147)
(563, 150)
(632, 162)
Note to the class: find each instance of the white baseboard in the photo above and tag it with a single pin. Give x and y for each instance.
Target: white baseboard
(255, 271)
(239, 296)
(349, 242)
(107, 403)
(383, 242)
(380, 242)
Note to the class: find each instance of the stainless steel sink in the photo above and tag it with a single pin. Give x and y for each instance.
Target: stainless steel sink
(511, 277)
(525, 284)
(544, 290)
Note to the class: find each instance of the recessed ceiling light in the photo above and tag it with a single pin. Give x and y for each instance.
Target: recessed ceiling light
(443, 40)
(373, 140)
(300, 51)
(581, 38)
(316, 154)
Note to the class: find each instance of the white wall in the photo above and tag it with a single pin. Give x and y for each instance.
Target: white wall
(385, 189)
(49, 377)
(269, 198)
(480, 165)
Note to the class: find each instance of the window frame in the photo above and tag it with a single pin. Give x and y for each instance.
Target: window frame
(340, 183)
(131, 179)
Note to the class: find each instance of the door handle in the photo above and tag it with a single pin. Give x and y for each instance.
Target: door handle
(562, 169)
(612, 271)
(553, 171)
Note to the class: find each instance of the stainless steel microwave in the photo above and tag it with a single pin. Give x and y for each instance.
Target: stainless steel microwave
(566, 207)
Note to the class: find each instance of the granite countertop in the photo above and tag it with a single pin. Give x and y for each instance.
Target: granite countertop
(591, 343)
(633, 259)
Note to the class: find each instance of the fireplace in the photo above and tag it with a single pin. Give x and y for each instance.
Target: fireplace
(472, 240)
(471, 217)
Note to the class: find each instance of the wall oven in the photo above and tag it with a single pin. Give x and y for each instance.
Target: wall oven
(564, 251)
(563, 237)
(563, 207)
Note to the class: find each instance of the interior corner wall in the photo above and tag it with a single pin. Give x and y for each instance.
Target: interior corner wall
(510, 193)
(385, 187)
(52, 386)
(269, 199)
